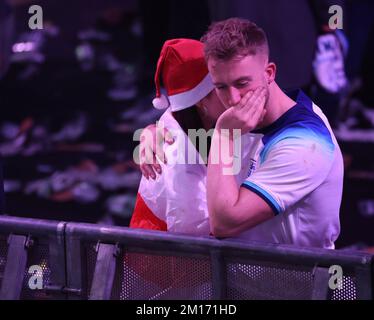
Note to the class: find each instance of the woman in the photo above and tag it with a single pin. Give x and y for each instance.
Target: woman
(176, 200)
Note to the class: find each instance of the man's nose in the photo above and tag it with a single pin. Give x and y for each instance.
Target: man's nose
(234, 97)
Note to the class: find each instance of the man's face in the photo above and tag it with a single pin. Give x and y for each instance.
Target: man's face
(235, 77)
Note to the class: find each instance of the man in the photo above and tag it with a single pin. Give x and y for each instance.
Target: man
(294, 186)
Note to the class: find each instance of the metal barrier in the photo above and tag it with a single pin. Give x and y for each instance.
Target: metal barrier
(85, 261)
(30, 242)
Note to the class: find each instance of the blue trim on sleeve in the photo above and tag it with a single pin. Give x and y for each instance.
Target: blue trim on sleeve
(264, 195)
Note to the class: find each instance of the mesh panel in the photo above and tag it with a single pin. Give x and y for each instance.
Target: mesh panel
(118, 280)
(3, 256)
(348, 290)
(37, 255)
(91, 256)
(157, 277)
(268, 281)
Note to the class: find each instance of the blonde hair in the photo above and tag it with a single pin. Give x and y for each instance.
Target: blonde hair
(234, 37)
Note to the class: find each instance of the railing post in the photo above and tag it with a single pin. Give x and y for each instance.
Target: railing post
(57, 261)
(74, 270)
(15, 267)
(105, 270)
(320, 283)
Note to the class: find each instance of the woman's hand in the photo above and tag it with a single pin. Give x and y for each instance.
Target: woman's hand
(151, 151)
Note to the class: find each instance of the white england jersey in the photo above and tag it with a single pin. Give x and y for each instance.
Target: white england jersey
(297, 168)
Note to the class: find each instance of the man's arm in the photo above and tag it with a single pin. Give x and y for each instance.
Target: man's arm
(232, 209)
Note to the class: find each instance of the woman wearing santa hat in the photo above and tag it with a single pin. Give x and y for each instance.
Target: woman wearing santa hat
(176, 200)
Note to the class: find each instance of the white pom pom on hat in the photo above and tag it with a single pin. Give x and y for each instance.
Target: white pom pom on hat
(161, 102)
(182, 70)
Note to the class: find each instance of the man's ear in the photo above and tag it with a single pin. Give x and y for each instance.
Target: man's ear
(270, 72)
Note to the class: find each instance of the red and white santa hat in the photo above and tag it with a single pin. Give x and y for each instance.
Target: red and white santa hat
(182, 71)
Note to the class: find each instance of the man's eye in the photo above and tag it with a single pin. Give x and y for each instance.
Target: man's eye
(241, 84)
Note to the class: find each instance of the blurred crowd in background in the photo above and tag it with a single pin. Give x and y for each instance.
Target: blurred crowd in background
(73, 93)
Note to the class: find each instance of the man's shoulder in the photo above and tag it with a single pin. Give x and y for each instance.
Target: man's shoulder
(302, 123)
(300, 139)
